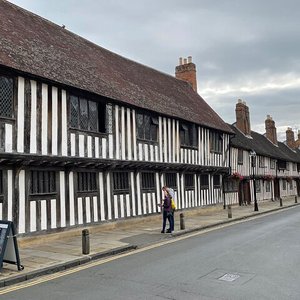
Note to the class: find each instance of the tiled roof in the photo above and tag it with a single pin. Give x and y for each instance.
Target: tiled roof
(262, 146)
(36, 46)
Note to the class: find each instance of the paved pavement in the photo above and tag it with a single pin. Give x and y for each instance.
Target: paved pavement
(56, 252)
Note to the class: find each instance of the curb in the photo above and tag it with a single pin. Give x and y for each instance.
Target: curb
(88, 258)
(64, 266)
(186, 231)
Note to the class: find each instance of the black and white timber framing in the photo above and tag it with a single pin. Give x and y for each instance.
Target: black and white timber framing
(38, 141)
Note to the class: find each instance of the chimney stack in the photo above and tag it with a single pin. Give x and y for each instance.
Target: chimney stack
(290, 138)
(271, 132)
(187, 71)
(297, 143)
(243, 117)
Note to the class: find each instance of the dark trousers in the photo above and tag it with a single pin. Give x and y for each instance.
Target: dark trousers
(170, 217)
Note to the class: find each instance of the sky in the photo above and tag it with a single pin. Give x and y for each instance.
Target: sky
(242, 49)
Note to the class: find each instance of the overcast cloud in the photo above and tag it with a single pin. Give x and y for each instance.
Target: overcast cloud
(242, 49)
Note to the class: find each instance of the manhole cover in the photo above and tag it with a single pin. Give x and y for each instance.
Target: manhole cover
(229, 277)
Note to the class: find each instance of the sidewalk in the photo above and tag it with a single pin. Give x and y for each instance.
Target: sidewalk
(57, 252)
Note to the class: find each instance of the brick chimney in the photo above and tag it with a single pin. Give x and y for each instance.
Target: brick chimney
(290, 138)
(187, 71)
(297, 143)
(271, 132)
(243, 117)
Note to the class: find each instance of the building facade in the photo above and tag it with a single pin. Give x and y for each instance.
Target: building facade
(87, 136)
(258, 159)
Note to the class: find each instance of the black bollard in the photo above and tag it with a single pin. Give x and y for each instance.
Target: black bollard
(296, 199)
(229, 212)
(182, 224)
(280, 202)
(85, 241)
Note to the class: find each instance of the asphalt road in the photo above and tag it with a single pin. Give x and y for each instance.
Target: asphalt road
(257, 259)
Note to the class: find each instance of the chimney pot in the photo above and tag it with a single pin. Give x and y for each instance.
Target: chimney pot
(187, 72)
(244, 102)
(240, 101)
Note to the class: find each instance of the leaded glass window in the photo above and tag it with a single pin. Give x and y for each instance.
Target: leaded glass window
(188, 135)
(6, 97)
(87, 115)
(147, 127)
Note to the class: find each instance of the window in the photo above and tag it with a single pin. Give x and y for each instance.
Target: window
(42, 182)
(189, 181)
(6, 96)
(171, 180)
(257, 185)
(261, 162)
(298, 167)
(291, 185)
(86, 114)
(87, 182)
(281, 164)
(268, 189)
(148, 181)
(230, 186)
(147, 127)
(284, 184)
(188, 135)
(240, 156)
(272, 163)
(294, 166)
(217, 181)
(204, 181)
(121, 182)
(216, 142)
(287, 166)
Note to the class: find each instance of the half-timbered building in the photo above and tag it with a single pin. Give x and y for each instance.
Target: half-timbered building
(259, 159)
(88, 136)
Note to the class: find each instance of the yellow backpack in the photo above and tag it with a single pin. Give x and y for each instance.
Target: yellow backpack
(173, 205)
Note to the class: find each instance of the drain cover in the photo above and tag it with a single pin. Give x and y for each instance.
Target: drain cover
(229, 277)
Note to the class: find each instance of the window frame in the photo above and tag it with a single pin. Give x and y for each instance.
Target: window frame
(268, 186)
(230, 186)
(189, 182)
(204, 181)
(171, 182)
(40, 183)
(148, 181)
(99, 113)
(240, 156)
(12, 88)
(216, 186)
(87, 182)
(147, 133)
(120, 182)
(188, 133)
(258, 186)
(216, 142)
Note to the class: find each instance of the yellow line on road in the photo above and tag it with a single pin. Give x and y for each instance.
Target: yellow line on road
(46, 278)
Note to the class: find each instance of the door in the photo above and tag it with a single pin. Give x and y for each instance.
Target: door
(276, 189)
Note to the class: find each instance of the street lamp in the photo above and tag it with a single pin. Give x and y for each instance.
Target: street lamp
(253, 162)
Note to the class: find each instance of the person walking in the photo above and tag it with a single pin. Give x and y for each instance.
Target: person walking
(167, 211)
